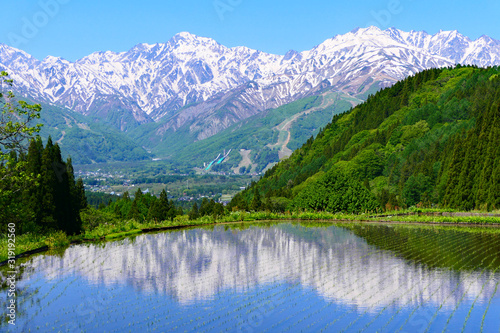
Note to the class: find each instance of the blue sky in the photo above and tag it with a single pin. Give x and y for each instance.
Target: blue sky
(73, 29)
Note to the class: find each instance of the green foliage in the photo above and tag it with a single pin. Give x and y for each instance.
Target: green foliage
(207, 208)
(431, 139)
(92, 218)
(256, 133)
(412, 132)
(416, 189)
(336, 192)
(194, 213)
(16, 174)
(52, 202)
(276, 204)
(256, 204)
(86, 139)
(95, 199)
(16, 119)
(144, 207)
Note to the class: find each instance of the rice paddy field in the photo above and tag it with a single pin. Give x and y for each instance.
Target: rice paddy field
(268, 277)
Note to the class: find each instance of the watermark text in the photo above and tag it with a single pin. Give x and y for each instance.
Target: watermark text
(222, 7)
(31, 26)
(11, 274)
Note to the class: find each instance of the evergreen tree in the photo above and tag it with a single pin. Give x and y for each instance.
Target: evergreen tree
(80, 193)
(166, 207)
(451, 198)
(205, 207)
(256, 201)
(117, 210)
(48, 182)
(71, 202)
(218, 210)
(194, 213)
(34, 195)
(494, 191)
(138, 195)
(155, 212)
(133, 213)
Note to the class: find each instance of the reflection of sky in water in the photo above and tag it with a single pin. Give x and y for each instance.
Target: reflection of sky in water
(332, 273)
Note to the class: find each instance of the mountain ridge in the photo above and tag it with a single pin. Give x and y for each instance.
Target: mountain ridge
(193, 88)
(153, 80)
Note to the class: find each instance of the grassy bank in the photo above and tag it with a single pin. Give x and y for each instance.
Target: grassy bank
(101, 226)
(32, 241)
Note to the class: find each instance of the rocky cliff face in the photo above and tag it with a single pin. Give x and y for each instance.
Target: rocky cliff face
(195, 81)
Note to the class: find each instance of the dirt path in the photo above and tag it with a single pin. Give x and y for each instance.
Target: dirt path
(245, 162)
(62, 137)
(283, 128)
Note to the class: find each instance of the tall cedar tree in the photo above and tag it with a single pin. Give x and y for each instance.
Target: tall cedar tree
(53, 200)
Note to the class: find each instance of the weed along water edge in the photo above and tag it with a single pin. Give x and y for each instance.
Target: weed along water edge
(269, 277)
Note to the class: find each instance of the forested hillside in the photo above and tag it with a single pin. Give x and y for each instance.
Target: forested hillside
(51, 199)
(431, 139)
(258, 134)
(88, 139)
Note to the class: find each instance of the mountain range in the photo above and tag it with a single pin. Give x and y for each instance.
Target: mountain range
(197, 86)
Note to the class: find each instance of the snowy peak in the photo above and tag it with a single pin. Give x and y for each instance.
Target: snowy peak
(56, 61)
(11, 55)
(186, 42)
(371, 30)
(186, 38)
(155, 80)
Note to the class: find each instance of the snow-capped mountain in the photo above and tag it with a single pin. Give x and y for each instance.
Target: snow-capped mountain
(225, 85)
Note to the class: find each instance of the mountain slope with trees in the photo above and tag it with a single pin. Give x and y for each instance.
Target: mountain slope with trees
(431, 139)
(155, 100)
(88, 139)
(258, 134)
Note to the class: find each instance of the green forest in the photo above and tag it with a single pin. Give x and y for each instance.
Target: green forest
(87, 139)
(49, 199)
(431, 140)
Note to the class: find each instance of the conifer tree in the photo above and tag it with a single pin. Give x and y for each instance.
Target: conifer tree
(80, 193)
(138, 194)
(451, 197)
(133, 213)
(117, 210)
(165, 207)
(62, 197)
(48, 182)
(72, 201)
(256, 201)
(33, 196)
(154, 213)
(194, 213)
(204, 207)
(494, 190)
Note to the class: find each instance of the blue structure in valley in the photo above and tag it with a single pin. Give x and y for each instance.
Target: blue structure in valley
(218, 160)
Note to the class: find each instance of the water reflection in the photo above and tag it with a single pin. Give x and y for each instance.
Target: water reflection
(197, 264)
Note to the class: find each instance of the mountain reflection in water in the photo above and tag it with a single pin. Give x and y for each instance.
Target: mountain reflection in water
(197, 264)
